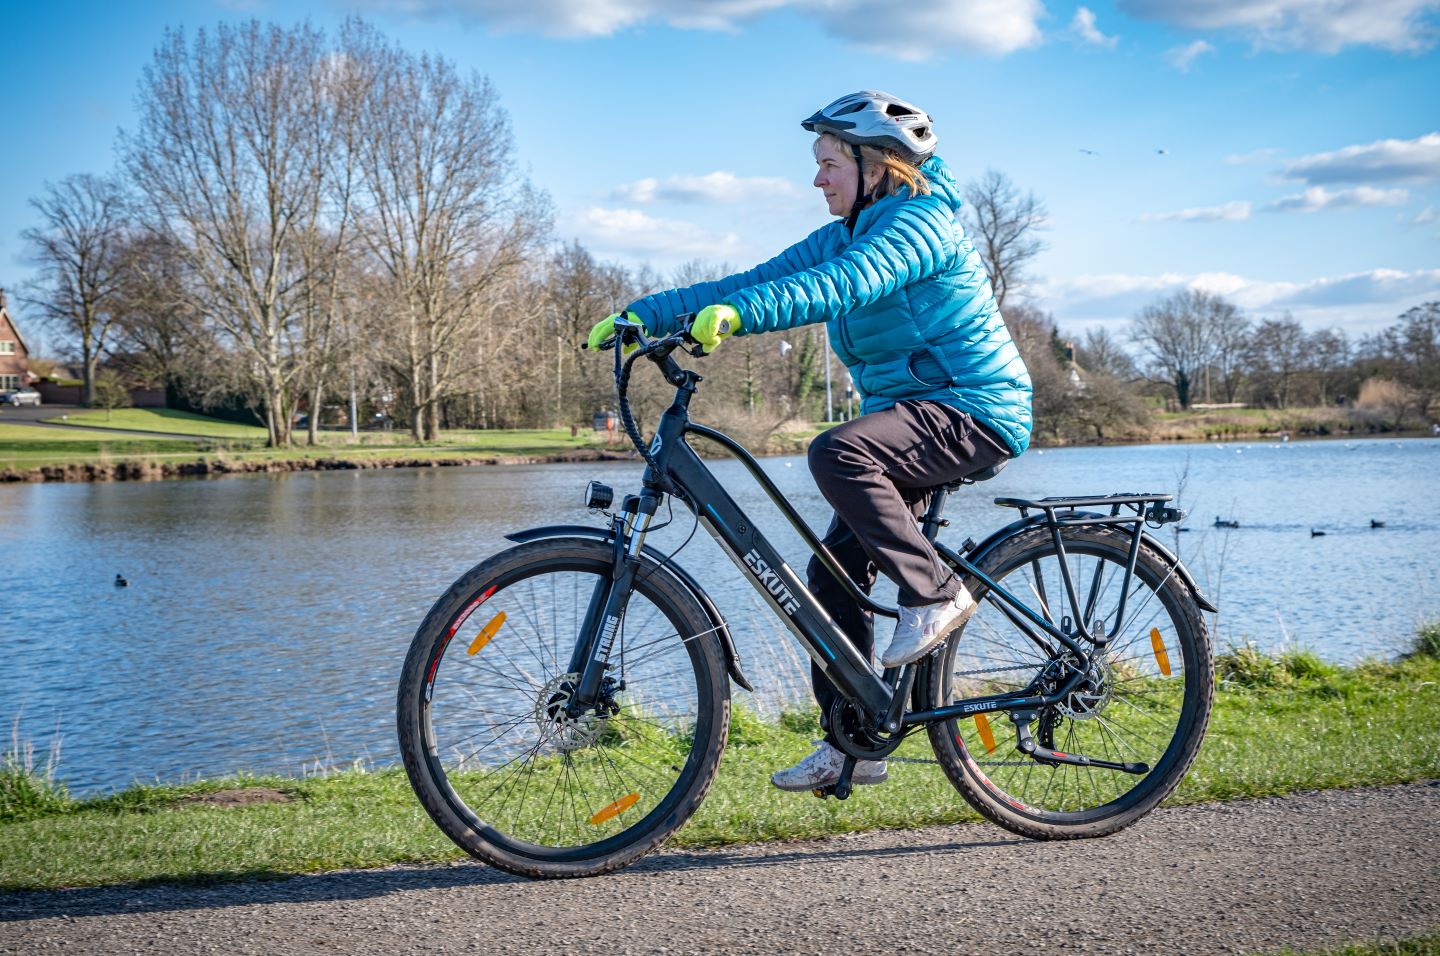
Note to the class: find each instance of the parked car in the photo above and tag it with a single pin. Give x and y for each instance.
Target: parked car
(20, 396)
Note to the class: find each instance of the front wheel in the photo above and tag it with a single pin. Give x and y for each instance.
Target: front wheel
(501, 764)
(1145, 699)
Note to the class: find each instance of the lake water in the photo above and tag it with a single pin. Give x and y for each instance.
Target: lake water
(267, 616)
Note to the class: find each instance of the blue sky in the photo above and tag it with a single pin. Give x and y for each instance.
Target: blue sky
(1300, 168)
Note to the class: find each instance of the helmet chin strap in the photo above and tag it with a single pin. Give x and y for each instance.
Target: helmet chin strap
(862, 198)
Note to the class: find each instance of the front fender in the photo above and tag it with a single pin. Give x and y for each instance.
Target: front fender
(983, 549)
(727, 643)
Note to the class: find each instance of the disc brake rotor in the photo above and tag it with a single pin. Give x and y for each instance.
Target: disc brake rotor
(568, 733)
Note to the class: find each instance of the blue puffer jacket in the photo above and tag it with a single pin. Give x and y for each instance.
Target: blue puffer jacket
(909, 307)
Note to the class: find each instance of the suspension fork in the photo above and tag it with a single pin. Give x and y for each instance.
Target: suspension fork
(606, 611)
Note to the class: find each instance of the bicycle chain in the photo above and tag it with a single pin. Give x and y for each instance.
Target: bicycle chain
(994, 670)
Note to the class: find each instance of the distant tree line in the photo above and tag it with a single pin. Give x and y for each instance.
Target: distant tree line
(310, 222)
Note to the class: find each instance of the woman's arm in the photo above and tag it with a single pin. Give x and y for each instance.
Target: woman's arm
(658, 311)
(917, 238)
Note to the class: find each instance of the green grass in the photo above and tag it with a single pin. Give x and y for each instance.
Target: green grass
(27, 446)
(1322, 726)
(1419, 946)
(163, 420)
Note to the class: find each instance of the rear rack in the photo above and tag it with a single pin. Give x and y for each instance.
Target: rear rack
(1135, 508)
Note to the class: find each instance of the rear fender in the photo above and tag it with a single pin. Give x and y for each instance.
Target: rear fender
(727, 643)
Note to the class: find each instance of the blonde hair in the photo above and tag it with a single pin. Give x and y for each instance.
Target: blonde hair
(895, 171)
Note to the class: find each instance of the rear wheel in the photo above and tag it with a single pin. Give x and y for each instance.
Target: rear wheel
(499, 762)
(1146, 700)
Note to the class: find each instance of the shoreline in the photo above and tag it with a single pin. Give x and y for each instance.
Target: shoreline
(218, 464)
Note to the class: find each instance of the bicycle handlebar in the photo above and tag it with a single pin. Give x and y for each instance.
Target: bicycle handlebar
(657, 351)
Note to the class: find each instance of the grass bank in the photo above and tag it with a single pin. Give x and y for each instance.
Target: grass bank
(1280, 724)
(29, 453)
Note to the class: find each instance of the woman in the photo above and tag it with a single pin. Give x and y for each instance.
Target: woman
(911, 313)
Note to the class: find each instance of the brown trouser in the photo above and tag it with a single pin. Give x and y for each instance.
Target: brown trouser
(877, 472)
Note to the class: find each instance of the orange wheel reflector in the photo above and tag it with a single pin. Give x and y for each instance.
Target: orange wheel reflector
(486, 632)
(1161, 658)
(982, 724)
(615, 809)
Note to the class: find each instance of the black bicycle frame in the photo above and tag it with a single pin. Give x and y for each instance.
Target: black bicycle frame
(674, 468)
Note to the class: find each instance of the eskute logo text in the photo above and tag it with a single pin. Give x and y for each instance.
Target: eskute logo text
(771, 582)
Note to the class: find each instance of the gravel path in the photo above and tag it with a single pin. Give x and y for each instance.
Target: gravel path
(1307, 871)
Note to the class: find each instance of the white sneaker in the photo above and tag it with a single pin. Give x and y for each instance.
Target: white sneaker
(822, 768)
(922, 629)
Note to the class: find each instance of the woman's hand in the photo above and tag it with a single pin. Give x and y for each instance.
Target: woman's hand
(604, 330)
(714, 323)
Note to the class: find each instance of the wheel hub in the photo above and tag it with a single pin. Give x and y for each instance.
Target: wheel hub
(1089, 699)
(554, 718)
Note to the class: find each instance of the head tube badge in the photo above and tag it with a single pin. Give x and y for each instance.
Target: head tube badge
(655, 446)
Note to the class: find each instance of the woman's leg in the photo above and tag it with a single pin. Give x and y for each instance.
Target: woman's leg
(868, 468)
(854, 621)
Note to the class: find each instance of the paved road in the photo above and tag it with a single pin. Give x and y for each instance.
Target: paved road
(32, 415)
(1308, 871)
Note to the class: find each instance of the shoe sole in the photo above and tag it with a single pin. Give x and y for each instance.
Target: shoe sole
(940, 637)
(857, 781)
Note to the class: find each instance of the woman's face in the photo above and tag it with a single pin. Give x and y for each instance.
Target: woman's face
(836, 176)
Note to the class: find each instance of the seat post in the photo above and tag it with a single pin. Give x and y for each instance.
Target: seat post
(931, 524)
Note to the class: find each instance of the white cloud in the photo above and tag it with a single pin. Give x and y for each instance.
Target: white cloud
(716, 187)
(630, 232)
(921, 29)
(1083, 26)
(1236, 210)
(1425, 216)
(1387, 160)
(916, 30)
(1358, 302)
(1317, 198)
(1181, 57)
(1322, 25)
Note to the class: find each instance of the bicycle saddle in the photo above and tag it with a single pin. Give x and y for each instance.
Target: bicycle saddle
(975, 477)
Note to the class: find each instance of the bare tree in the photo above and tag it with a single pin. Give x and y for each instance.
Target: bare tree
(578, 292)
(445, 217)
(158, 336)
(1409, 352)
(230, 155)
(1178, 336)
(1230, 332)
(1005, 227)
(1276, 355)
(84, 222)
(1330, 365)
(1101, 351)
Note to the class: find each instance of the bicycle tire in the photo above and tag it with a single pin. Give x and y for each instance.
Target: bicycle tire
(1150, 705)
(615, 785)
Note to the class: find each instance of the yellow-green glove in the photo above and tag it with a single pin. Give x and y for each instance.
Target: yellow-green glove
(604, 330)
(713, 323)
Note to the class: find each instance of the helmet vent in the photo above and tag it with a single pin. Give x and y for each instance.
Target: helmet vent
(895, 109)
(921, 132)
(852, 108)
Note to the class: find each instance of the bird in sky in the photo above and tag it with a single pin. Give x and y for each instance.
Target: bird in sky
(1089, 152)
(1162, 152)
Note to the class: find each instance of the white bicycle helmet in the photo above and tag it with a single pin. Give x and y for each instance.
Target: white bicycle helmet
(872, 118)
